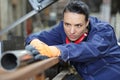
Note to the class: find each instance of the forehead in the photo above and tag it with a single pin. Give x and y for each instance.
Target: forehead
(74, 17)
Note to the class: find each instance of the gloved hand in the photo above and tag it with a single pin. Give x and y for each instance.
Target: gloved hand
(44, 49)
(35, 53)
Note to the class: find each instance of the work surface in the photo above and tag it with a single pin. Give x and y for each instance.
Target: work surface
(29, 70)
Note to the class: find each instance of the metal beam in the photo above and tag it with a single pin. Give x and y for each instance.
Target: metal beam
(30, 70)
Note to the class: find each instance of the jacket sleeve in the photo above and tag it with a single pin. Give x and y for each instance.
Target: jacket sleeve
(99, 44)
(50, 37)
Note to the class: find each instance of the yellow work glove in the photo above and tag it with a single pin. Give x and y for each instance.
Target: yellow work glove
(44, 49)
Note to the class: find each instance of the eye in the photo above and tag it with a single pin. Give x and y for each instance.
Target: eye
(78, 25)
(67, 24)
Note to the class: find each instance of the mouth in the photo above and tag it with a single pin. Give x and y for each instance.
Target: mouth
(72, 37)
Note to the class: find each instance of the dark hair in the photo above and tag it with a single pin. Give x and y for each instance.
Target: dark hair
(77, 6)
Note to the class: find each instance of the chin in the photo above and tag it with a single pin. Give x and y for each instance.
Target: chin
(73, 39)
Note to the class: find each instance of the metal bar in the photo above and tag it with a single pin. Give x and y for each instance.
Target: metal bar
(33, 12)
(29, 71)
(11, 60)
(61, 75)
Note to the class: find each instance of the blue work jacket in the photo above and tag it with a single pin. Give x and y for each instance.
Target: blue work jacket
(96, 58)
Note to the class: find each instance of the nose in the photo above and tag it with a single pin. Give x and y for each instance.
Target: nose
(72, 30)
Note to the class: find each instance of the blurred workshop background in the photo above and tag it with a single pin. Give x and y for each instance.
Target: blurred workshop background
(11, 10)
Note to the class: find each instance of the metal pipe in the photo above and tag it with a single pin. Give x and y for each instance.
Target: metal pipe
(29, 71)
(10, 60)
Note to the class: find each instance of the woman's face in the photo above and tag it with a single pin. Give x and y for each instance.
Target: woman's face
(74, 25)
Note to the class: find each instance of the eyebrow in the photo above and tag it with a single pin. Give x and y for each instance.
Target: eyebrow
(78, 24)
(67, 23)
(74, 25)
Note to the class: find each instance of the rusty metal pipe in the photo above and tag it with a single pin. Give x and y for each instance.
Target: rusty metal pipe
(10, 60)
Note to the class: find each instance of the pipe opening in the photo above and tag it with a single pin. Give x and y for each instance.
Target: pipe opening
(9, 61)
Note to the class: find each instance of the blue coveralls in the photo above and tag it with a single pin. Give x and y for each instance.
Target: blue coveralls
(97, 58)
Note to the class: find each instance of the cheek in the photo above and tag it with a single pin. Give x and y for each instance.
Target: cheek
(79, 32)
(66, 30)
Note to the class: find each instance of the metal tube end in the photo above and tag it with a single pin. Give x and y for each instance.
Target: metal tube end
(8, 61)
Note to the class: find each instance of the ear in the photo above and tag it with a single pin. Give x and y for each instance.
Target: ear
(87, 23)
